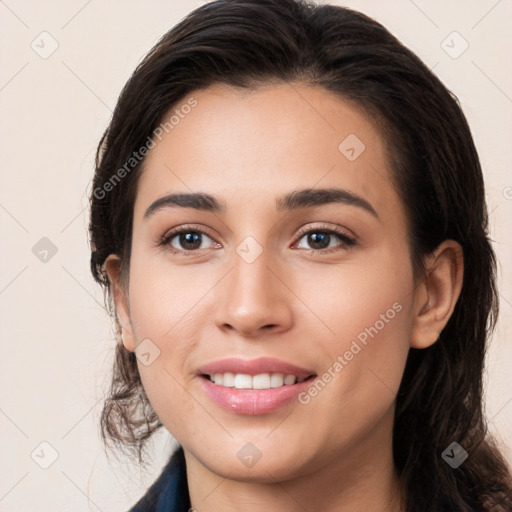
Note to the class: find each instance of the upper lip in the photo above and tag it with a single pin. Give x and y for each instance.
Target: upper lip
(254, 367)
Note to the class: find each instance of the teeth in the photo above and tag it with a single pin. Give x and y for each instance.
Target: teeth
(289, 379)
(243, 381)
(276, 380)
(260, 381)
(228, 380)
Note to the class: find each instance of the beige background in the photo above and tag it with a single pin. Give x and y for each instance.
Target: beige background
(56, 338)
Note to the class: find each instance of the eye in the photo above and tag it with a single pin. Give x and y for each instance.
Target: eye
(186, 239)
(322, 238)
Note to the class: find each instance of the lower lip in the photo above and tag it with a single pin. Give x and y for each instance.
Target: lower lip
(253, 401)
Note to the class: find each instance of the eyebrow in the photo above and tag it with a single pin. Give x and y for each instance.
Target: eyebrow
(294, 200)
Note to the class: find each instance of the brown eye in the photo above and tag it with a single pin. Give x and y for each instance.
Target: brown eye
(319, 240)
(189, 241)
(186, 240)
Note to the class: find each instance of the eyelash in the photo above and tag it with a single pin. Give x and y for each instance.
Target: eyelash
(346, 240)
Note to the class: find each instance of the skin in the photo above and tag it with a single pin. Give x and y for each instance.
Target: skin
(248, 148)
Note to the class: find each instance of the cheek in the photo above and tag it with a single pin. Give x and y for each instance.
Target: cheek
(373, 291)
(169, 305)
(165, 297)
(368, 311)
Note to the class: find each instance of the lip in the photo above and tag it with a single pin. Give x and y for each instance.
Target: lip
(254, 367)
(253, 401)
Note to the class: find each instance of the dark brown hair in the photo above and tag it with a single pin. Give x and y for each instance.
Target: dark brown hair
(246, 43)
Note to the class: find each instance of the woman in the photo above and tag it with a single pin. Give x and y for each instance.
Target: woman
(288, 219)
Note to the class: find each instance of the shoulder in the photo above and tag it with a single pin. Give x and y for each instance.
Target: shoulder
(170, 491)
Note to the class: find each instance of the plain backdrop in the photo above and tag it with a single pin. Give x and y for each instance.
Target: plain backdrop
(63, 65)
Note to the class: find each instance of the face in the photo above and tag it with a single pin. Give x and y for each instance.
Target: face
(274, 281)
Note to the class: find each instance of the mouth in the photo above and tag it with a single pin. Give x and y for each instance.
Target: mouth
(253, 387)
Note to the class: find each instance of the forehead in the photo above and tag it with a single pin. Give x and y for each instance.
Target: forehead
(255, 145)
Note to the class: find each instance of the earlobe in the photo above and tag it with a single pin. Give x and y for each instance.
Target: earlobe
(120, 298)
(437, 293)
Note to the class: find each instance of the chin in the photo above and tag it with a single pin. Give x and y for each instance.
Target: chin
(251, 466)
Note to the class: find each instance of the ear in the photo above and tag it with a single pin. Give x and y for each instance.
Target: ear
(121, 302)
(437, 293)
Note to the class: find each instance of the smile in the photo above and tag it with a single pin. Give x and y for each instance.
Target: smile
(260, 381)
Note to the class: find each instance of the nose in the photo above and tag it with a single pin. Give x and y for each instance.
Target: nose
(254, 300)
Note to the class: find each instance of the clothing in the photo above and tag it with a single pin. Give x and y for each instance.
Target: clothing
(170, 491)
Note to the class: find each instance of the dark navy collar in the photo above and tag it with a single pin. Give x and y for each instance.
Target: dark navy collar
(170, 492)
